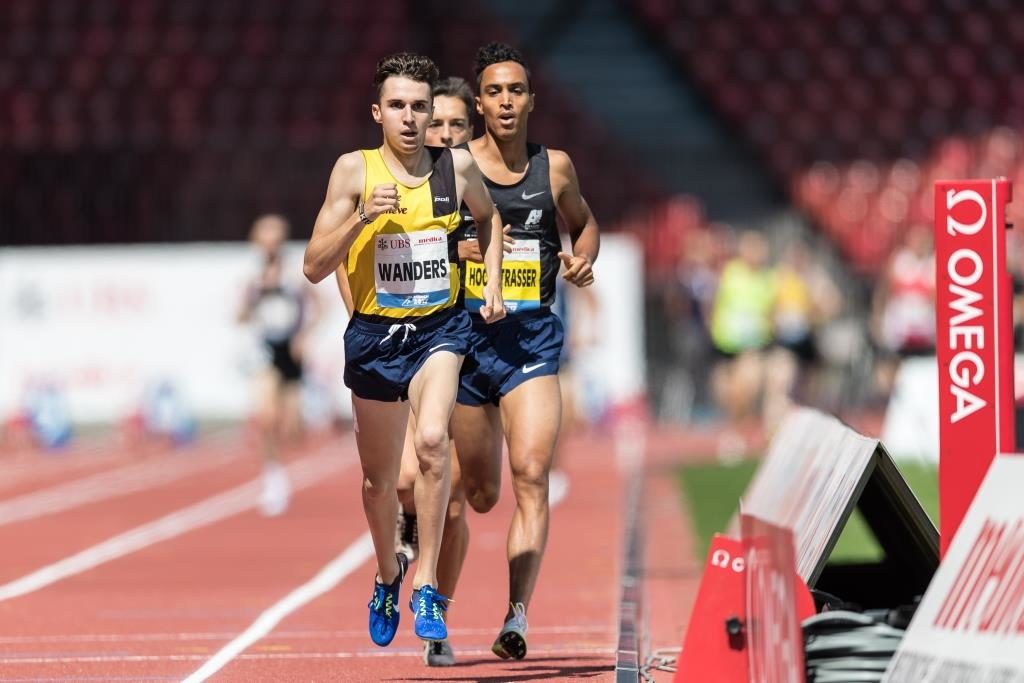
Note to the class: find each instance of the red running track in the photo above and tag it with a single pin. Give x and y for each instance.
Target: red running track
(153, 577)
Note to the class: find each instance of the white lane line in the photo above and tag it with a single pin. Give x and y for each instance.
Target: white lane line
(303, 473)
(278, 635)
(105, 485)
(382, 653)
(337, 569)
(106, 453)
(32, 465)
(330, 576)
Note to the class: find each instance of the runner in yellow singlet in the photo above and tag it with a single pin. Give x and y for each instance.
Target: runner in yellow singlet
(391, 215)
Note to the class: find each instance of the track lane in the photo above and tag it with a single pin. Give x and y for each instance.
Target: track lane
(162, 612)
(572, 618)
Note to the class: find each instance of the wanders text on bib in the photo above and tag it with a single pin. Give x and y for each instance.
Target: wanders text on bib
(411, 270)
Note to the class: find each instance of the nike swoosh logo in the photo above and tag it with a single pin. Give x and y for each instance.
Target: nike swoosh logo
(435, 348)
(527, 369)
(531, 196)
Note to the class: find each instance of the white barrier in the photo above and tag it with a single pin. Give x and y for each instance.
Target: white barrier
(970, 623)
(911, 427)
(102, 323)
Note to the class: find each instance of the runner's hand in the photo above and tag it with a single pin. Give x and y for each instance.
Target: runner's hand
(469, 250)
(494, 307)
(577, 269)
(383, 198)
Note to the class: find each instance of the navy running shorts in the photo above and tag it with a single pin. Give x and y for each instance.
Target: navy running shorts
(382, 358)
(509, 352)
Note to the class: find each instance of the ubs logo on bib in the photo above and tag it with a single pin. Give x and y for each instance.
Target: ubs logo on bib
(385, 243)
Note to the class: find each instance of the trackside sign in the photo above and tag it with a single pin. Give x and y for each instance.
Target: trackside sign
(974, 340)
(777, 601)
(970, 624)
(813, 470)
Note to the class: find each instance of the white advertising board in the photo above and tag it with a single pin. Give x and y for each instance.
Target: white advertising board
(806, 481)
(103, 323)
(970, 624)
(911, 427)
(606, 335)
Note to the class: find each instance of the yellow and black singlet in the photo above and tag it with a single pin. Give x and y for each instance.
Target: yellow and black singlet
(405, 264)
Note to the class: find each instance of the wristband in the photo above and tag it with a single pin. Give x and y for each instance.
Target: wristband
(363, 217)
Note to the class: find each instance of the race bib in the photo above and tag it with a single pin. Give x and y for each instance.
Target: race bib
(520, 274)
(412, 270)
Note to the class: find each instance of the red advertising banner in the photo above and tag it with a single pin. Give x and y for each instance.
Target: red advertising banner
(745, 626)
(777, 602)
(974, 340)
(710, 651)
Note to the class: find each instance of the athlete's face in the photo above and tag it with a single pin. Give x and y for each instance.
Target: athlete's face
(269, 232)
(403, 112)
(450, 124)
(505, 100)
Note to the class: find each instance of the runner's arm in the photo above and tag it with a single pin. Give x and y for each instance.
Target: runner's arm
(247, 305)
(338, 223)
(313, 308)
(341, 275)
(574, 210)
(311, 314)
(478, 200)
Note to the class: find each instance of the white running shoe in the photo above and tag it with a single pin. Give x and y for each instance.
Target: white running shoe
(438, 653)
(277, 490)
(511, 641)
(407, 540)
(558, 486)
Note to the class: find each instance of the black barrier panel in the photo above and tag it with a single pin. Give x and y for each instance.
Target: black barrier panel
(908, 538)
(816, 472)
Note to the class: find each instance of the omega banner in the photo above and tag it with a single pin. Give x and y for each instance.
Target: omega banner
(974, 340)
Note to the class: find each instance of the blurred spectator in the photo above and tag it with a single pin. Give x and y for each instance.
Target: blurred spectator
(741, 329)
(1015, 267)
(806, 300)
(283, 310)
(688, 303)
(903, 305)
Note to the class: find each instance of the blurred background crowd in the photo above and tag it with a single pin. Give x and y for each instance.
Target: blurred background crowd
(772, 162)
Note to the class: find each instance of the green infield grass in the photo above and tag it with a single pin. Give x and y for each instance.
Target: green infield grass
(711, 493)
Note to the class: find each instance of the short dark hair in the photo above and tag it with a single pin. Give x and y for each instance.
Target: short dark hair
(453, 86)
(495, 53)
(412, 66)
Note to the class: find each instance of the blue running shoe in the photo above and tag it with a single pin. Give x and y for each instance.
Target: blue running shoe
(430, 608)
(384, 612)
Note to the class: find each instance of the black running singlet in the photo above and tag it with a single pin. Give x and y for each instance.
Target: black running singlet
(530, 270)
